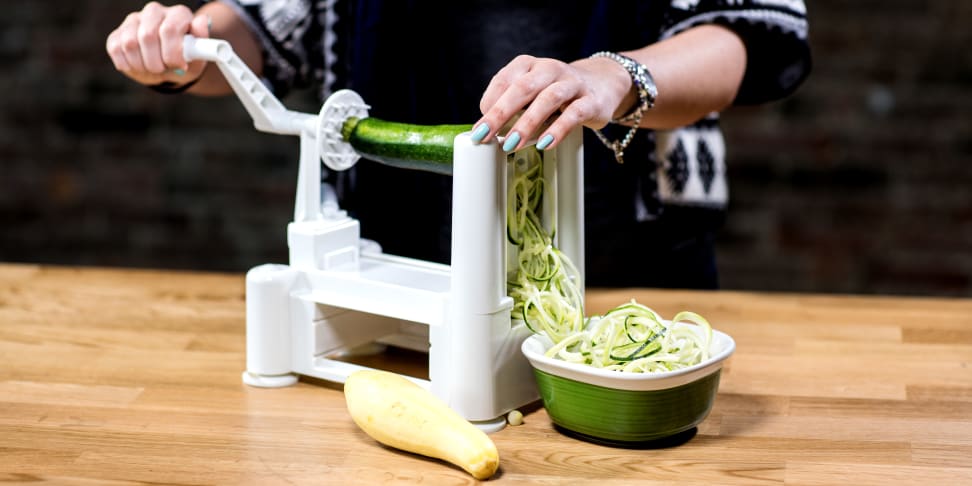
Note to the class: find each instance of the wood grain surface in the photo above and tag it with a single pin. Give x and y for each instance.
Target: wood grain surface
(119, 377)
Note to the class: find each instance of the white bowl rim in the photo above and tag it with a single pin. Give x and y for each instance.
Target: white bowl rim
(535, 346)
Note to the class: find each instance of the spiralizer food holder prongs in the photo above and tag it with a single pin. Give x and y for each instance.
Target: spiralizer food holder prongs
(335, 296)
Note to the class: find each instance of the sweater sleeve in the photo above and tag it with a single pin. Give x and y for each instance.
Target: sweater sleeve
(291, 38)
(775, 33)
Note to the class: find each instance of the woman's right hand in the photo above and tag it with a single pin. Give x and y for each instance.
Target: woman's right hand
(147, 46)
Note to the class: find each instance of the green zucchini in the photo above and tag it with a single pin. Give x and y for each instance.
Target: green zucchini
(421, 147)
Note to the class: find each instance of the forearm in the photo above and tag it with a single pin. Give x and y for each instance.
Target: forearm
(697, 72)
(227, 25)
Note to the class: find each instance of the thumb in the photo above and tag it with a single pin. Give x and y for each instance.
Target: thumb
(201, 26)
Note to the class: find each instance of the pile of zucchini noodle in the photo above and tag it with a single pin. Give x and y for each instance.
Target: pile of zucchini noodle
(544, 286)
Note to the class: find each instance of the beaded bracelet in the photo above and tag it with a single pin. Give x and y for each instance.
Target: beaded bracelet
(168, 87)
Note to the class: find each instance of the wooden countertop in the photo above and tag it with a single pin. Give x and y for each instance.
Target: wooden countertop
(123, 377)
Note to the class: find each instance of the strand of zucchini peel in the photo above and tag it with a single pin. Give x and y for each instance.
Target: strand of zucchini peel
(545, 289)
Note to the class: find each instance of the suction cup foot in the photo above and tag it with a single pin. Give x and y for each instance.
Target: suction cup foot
(269, 381)
(490, 426)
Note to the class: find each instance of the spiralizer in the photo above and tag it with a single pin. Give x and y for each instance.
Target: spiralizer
(339, 293)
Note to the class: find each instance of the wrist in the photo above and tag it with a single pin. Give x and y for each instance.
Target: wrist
(168, 87)
(641, 93)
(174, 87)
(641, 82)
(621, 95)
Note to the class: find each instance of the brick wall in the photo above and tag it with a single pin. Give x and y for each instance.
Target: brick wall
(858, 183)
(862, 182)
(101, 171)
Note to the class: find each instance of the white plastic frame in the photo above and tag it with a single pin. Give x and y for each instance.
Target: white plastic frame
(333, 297)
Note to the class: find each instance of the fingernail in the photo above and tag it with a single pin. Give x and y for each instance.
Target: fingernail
(545, 142)
(179, 72)
(480, 132)
(512, 140)
(209, 25)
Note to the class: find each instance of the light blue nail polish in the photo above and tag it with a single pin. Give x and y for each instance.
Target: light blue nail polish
(512, 140)
(179, 72)
(480, 132)
(545, 142)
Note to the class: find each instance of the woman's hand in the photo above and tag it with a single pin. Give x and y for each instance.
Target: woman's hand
(554, 98)
(147, 46)
(697, 72)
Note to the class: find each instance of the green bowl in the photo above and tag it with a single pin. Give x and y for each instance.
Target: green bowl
(626, 409)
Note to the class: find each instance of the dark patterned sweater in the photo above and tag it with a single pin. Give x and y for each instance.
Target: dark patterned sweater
(650, 222)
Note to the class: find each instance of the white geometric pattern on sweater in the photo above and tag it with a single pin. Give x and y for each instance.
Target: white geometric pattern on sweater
(700, 182)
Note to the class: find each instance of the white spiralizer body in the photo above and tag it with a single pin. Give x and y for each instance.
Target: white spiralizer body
(339, 293)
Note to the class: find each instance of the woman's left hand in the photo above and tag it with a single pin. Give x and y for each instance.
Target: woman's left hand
(554, 97)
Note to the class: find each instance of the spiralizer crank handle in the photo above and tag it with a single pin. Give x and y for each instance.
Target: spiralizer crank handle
(269, 115)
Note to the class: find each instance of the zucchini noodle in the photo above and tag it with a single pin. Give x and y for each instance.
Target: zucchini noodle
(544, 284)
(545, 289)
(634, 338)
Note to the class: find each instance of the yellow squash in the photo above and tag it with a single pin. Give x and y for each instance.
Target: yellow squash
(403, 415)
